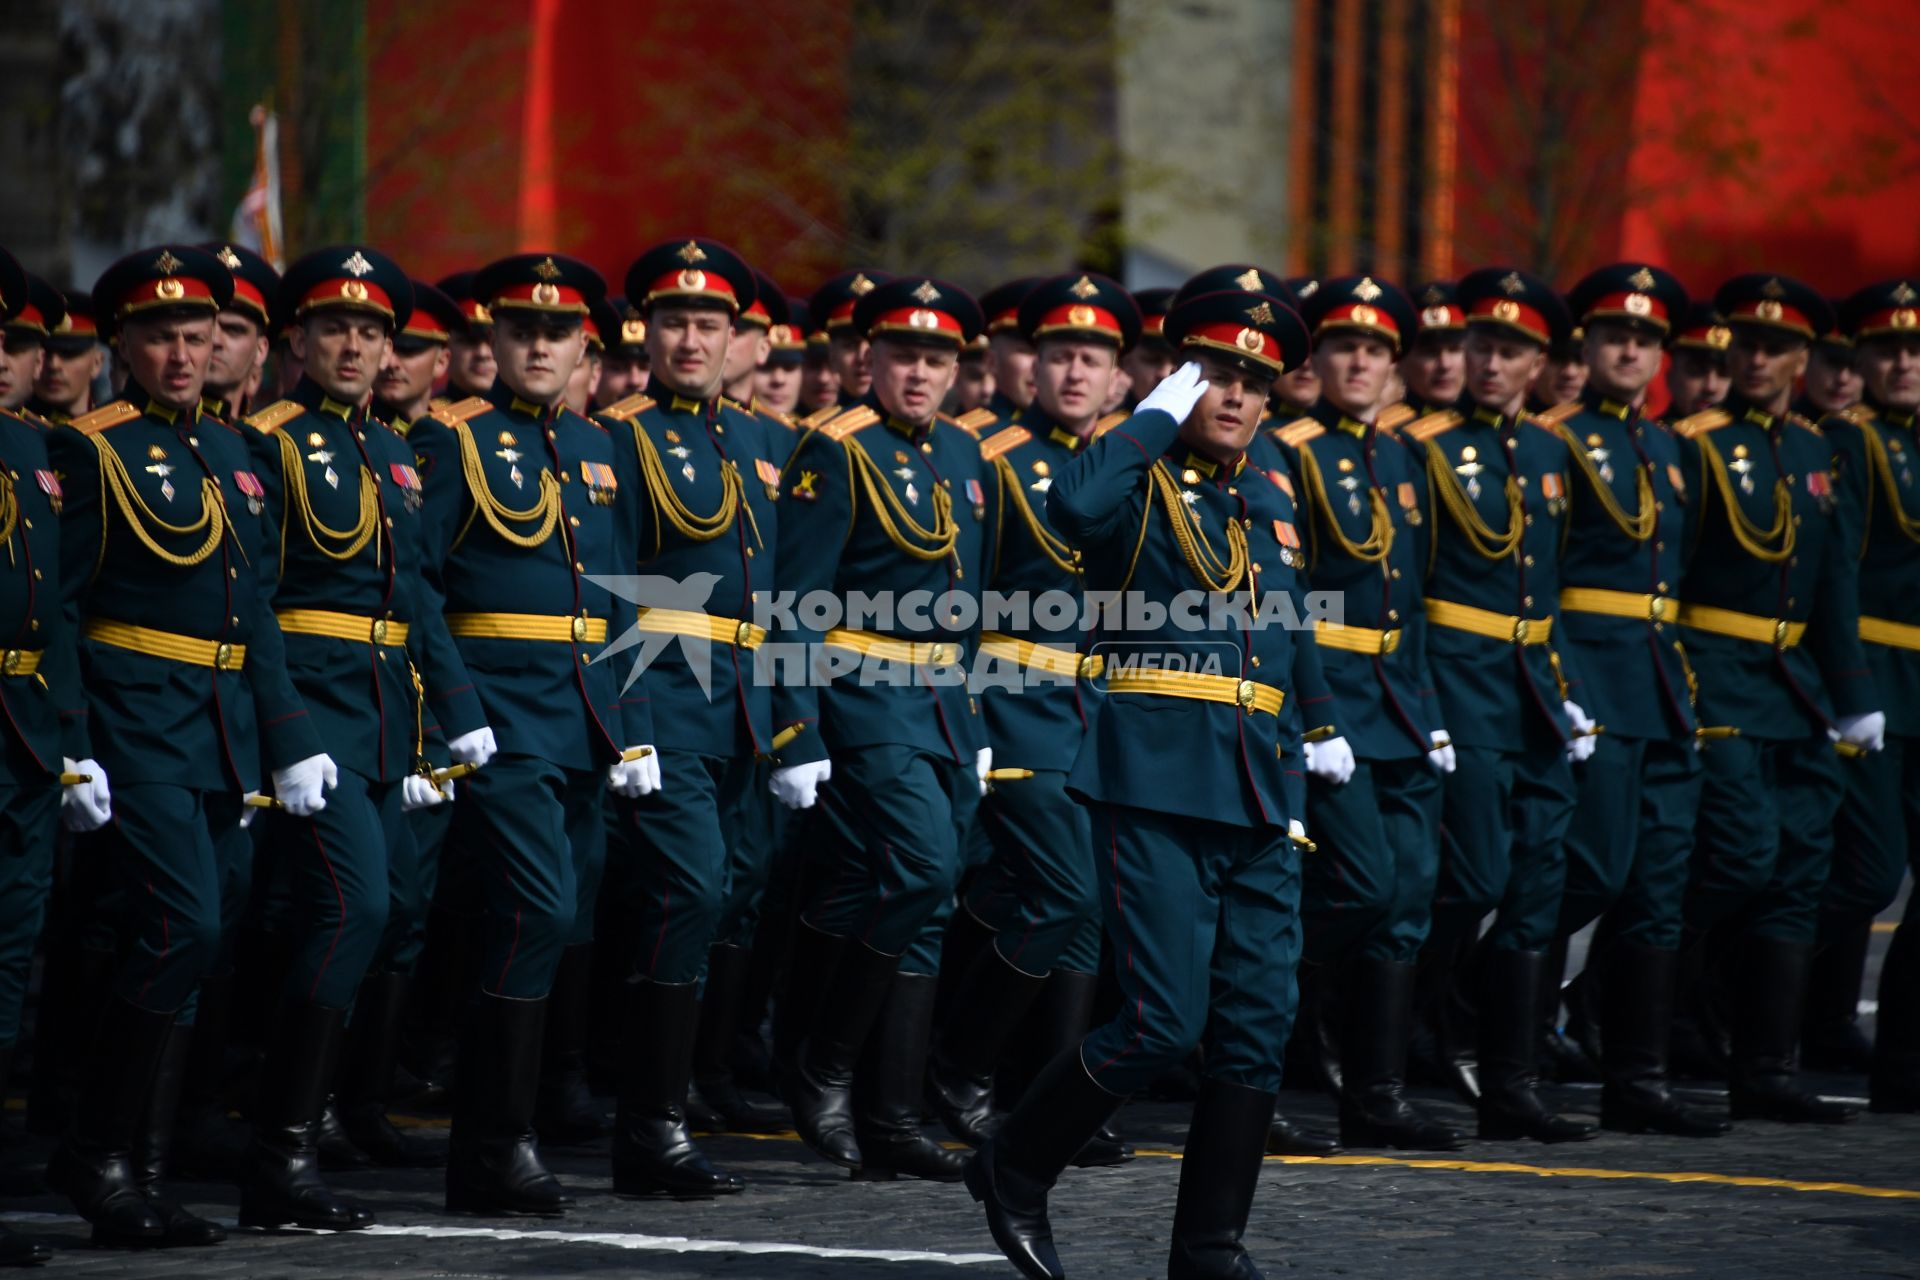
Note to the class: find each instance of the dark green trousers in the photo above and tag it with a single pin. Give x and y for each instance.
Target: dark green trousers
(1764, 840)
(1631, 838)
(1370, 881)
(1503, 848)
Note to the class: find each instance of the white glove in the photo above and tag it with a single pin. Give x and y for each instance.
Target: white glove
(1331, 760)
(1868, 732)
(636, 778)
(85, 806)
(247, 811)
(1296, 829)
(1178, 392)
(983, 765)
(475, 747)
(301, 787)
(1581, 745)
(418, 792)
(1442, 756)
(797, 786)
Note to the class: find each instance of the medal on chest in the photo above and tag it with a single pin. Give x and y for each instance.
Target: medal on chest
(602, 484)
(1351, 483)
(159, 466)
(1601, 457)
(1470, 466)
(1742, 466)
(324, 456)
(407, 480)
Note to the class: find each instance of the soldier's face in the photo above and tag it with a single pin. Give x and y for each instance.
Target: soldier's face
(1621, 360)
(1697, 380)
(746, 351)
(851, 357)
(407, 377)
(239, 348)
(1071, 380)
(1223, 423)
(1299, 386)
(1436, 368)
(168, 357)
(584, 383)
(1012, 357)
(537, 354)
(20, 361)
(1890, 368)
(912, 380)
(1147, 365)
(973, 387)
(622, 376)
(819, 381)
(687, 348)
(1500, 369)
(342, 351)
(1564, 378)
(1765, 365)
(1833, 380)
(66, 375)
(777, 386)
(1354, 370)
(470, 364)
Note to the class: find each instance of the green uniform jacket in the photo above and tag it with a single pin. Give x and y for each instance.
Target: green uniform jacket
(46, 713)
(1879, 475)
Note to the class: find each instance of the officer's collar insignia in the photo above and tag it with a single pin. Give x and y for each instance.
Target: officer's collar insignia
(1351, 426)
(1483, 414)
(547, 270)
(680, 404)
(1614, 408)
(329, 405)
(1250, 280)
(1366, 290)
(926, 293)
(1759, 417)
(527, 407)
(691, 252)
(1642, 280)
(1060, 435)
(1084, 288)
(1511, 284)
(1260, 313)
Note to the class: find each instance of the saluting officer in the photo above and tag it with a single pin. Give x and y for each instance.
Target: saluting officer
(874, 502)
(1148, 361)
(522, 516)
(1185, 770)
(1036, 895)
(1373, 799)
(1877, 831)
(187, 685)
(1620, 582)
(707, 539)
(1496, 485)
(46, 723)
(1770, 617)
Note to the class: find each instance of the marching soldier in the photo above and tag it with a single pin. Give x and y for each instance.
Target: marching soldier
(1832, 381)
(419, 358)
(584, 386)
(186, 680)
(623, 368)
(974, 387)
(41, 310)
(1373, 799)
(1877, 831)
(1565, 375)
(874, 502)
(240, 333)
(50, 774)
(1435, 366)
(1697, 378)
(819, 380)
(1036, 895)
(470, 362)
(1185, 772)
(1770, 619)
(521, 514)
(64, 389)
(1496, 484)
(1009, 355)
(848, 354)
(776, 384)
(704, 513)
(1621, 577)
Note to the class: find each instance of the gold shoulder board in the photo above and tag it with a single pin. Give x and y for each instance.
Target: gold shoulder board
(453, 415)
(628, 409)
(1394, 417)
(105, 416)
(1800, 420)
(274, 416)
(1559, 413)
(821, 417)
(1109, 422)
(1700, 423)
(1424, 429)
(975, 419)
(1004, 442)
(1298, 432)
(854, 419)
(1859, 414)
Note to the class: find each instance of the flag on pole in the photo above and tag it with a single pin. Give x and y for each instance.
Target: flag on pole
(256, 221)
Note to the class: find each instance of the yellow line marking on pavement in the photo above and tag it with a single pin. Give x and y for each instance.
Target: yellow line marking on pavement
(1885, 926)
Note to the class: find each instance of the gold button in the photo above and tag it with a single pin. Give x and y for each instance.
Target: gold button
(749, 553)
(1235, 492)
(578, 567)
(37, 575)
(236, 619)
(389, 522)
(1527, 600)
(1521, 481)
(1257, 568)
(26, 522)
(574, 521)
(1797, 520)
(1660, 546)
(233, 573)
(1527, 560)
(1793, 562)
(382, 655)
(1255, 659)
(33, 624)
(1529, 522)
(565, 478)
(1393, 615)
(1394, 574)
(926, 446)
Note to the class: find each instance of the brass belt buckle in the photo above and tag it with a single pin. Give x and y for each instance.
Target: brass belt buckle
(10, 664)
(1520, 630)
(379, 630)
(580, 630)
(1087, 667)
(223, 656)
(1243, 694)
(1656, 608)
(743, 635)
(1780, 626)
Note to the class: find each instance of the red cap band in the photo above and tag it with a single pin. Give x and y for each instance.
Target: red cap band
(1153, 326)
(529, 296)
(1359, 315)
(358, 295)
(1242, 340)
(786, 337)
(424, 324)
(691, 282)
(1777, 315)
(1082, 318)
(1892, 320)
(1443, 316)
(756, 315)
(28, 317)
(1644, 307)
(1515, 315)
(168, 291)
(926, 322)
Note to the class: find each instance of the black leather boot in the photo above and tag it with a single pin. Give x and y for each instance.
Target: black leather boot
(1764, 1080)
(822, 1086)
(812, 958)
(1585, 998)
(653, 1153)
(1285, 1138)
(988, 1003)
(1312, 1060)
(1374, 1110)
(493, 1163)
(1640, 985)
(280, 1179)
(77, 983)
(1509, 1034)
(1561, 1057)
(1056, 1022)
(1894, 1084)
(366, 1077)
(207, 1141)
(566, 1114)
(1697, 1048)
(155, 1138)
(888, 1089)
(1219, 1171)
(17, 1250)
(727, 968)
(1830, 1034)
(1011, 1174)
(1442, 1018)
(338, 1151)
(93, 1166)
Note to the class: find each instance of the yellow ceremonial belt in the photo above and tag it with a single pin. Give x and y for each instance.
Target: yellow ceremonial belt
(1777, 632)
(217, 654)
(1245, 694)
(342, 626)
(1898, 635)
(701, 626)
(1041, 657)
(1337, 635)
(528, 626)
(20, 662)
(1485, 622)
(1619, 604)
(918, 652)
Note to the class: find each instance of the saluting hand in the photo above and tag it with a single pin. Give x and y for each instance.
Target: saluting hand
(1178, 392)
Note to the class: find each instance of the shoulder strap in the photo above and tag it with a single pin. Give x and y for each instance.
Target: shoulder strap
(1394, 417)
(628, 409)
(274, 416)
(1004, 442)
(1559, 413)
(106, 416)
(454, 415)
(854, 419)
(975, 419)
(1444, 420)
(821, 417)
(1700, 423)
(1298, 432)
